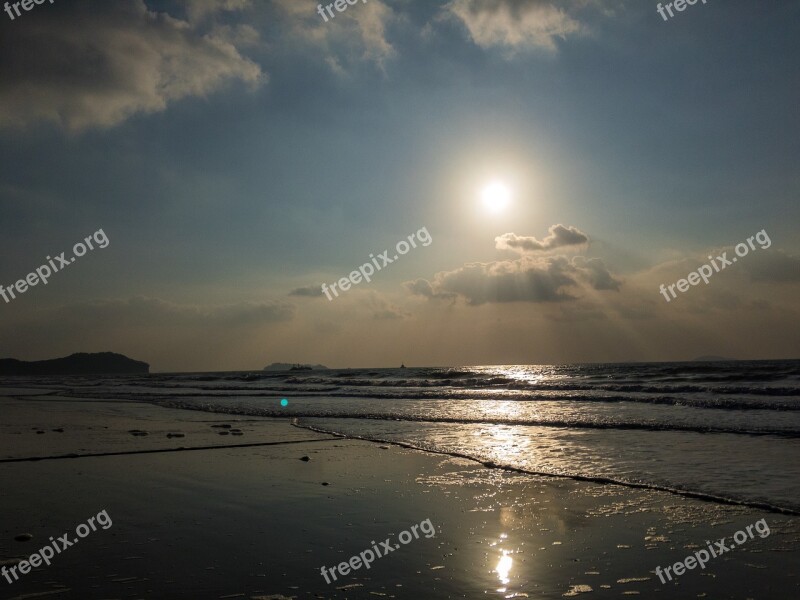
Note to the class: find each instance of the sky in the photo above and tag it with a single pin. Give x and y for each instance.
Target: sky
(563, 160)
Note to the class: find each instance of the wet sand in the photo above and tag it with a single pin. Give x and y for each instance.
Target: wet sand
(248, 518)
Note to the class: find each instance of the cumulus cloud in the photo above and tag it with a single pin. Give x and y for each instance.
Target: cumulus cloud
(596, 273)
(543, 278)
(559, 236)
(95, 65)
(381, 308)
(357, 34)
(759, 266)
(527, 279)
(775, 266)
(309, 291)
(517, 24)
(197, 10)
(420, 287)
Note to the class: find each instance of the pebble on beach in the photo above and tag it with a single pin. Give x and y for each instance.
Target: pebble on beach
(10, 562)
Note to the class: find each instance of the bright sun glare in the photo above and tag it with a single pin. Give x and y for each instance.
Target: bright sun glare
(496, 197)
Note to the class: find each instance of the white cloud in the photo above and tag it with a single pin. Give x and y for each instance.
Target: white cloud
(198, 10)
(558, 237)
(308, 291)
(517, 24)
(546, 279)
(357, 34)
(96, 66)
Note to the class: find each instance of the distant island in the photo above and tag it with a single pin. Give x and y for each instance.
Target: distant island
(292, 367)
(82, 363)
(712, 358)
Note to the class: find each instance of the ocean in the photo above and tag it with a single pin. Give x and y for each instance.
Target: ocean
(722, 431)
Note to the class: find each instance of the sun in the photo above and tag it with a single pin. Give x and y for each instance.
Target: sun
(496, 197)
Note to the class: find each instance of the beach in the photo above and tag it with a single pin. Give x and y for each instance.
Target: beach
(235, 365)
(222, 516)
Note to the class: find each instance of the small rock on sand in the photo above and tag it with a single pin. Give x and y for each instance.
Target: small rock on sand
(10, 562)
(574, 590)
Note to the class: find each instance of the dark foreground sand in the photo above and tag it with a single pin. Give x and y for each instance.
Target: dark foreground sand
(257, 522)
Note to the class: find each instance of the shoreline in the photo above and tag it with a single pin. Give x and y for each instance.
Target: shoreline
(256, 520)
(763, 506)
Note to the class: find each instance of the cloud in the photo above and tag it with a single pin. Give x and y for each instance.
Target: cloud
(95, 65)
(596, 273)
(168, 335)
(197, 10)
(516, 24)
(527, 279)
(309, 291)
(559, 236)
(153, 312)
(775, 266)
(372, 24)
(357, 34)
(759, 266)
(381, 308)
(420, 287)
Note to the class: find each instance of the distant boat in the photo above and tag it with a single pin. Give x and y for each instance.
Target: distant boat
(293, 367)
(402, 366)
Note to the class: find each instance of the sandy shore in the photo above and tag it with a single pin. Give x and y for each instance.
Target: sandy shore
(207, 515)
